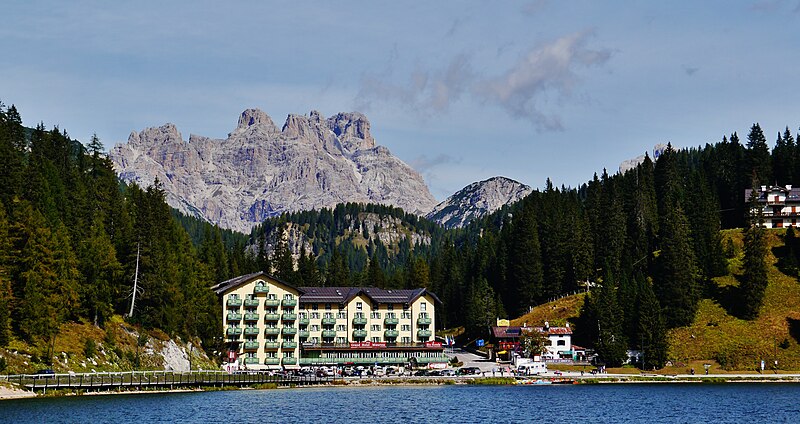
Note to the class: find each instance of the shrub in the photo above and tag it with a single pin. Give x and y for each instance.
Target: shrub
(89, 348)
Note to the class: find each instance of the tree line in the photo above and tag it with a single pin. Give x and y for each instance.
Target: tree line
(70, 236)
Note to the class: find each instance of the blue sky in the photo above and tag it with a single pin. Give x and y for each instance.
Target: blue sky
(462, 91)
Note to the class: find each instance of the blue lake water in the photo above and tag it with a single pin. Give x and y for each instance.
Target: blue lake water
(669, 403)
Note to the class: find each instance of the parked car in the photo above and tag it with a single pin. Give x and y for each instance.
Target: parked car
(435, 373)
(421, 373)
(468, 371)
(448, 372)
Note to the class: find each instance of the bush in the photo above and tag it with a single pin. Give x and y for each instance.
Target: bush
(89, 348)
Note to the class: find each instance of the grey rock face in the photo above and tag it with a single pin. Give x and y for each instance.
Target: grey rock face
(261, 171)
(477, 200)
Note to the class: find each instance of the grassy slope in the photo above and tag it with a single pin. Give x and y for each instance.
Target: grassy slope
(716, 336)
(720, 337)
(115, 350)
(556, 312)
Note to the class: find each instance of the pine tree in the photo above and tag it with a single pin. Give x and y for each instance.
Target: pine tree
(783, 158)
(759, 160)
(754, 279)
(676, 273)
(610, 344)
(101, 271)
(525, 267)
(6, 296)
(375, 275)
(651, 333)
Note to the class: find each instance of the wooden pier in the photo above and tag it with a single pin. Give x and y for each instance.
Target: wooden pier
(144, 380)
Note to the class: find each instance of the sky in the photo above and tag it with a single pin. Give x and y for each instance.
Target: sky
(462, 91)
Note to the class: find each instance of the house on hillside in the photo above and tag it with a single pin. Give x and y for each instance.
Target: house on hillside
(506, 339)
(780, 205)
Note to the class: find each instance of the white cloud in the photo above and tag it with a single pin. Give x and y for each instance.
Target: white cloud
(545, 72)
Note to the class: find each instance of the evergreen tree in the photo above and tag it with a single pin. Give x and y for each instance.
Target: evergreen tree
(610, 344)
(783, 158)
(375, 274)
(675, 275)
(525, 267)
(759, 160)
(651, 333)
(754, 279)
(101, 271)
(6, 296)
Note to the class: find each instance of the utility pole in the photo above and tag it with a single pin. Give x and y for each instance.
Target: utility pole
(135, 282)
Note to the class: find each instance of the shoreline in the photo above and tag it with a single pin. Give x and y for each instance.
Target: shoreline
(11, 392)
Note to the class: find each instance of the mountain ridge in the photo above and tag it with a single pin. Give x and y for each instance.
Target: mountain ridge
(477, 200)
(260, 171)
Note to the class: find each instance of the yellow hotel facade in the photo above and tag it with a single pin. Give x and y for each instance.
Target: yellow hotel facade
(269, 324)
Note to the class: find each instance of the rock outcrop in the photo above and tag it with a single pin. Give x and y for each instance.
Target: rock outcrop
(477, 200)
(260, 171)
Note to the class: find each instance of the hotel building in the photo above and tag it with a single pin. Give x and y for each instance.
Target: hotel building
(269, 324)
(780, 205)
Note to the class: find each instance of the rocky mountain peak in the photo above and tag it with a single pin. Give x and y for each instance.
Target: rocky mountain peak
(156, 136)
(477, 200)
(255, 118)
(259, 171)
(353, 130)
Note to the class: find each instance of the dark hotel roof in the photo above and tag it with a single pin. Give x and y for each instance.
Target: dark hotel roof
(339, 295)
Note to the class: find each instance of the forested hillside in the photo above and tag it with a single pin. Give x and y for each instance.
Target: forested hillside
(69, 237)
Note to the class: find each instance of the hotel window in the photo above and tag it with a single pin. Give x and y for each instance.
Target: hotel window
(405, 327)
(390, 307)
(341, 315)
(303, 315)
(406, 340)
(314, 307)
(422, 306)
(390, 315)
(328, 315)
(288, 296)
(272, 354)
(341, 340)
(233, 296)
(272, 296)
(375, 315)
(327, 306)
(375, 327)
(341, 327)
(562, 342)
(315, 315)
(288, 354)
(359, 315)
(376, 339)
(315, 327)
(406, 315)
(315, 340)
(359, 306)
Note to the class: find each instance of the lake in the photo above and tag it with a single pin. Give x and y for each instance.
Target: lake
(669, 403)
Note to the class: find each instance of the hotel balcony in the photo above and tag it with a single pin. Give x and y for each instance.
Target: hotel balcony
(250, 360)
(272, 361)
(289, 317)
(303, 334)
(234, 316)
(289, 345)
(233, 331)
(328, 321)
(251, 316)
(251, 303)
(289, 302)
(359, 321)
(328, 334)
(271, 345)
(303, 321)
(250, 345)
(423, 333)
(261, 289)
(359, 334)
(289, 361)
(272, 317)
(272, 302)
(391, 321)
(424, 321)
(391, 334)
(251, 331)
(234, 303)
(272, 331)
(291, 331)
